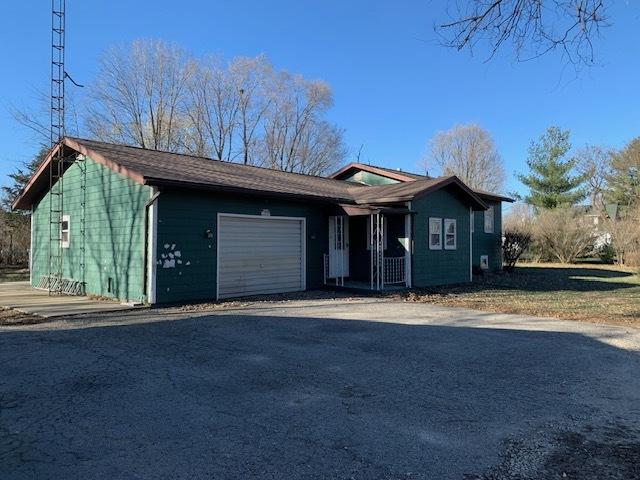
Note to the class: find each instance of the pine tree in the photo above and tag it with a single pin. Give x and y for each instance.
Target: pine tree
(19, 178)
(550, 181)
(624, 180)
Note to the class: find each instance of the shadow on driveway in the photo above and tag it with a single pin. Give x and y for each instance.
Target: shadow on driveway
(265, 396)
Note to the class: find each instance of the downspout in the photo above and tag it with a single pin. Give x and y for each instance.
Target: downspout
(471, 244)
(148, 268)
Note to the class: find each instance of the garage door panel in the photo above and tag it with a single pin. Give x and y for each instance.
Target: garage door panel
(260, 255)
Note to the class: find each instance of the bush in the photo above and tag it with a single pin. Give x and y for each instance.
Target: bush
(563, 234)
(514, 243)
(607, 254)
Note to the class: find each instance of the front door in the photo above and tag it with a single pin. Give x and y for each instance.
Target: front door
(338, 246)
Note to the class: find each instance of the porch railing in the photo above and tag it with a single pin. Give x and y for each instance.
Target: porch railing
(394, 270)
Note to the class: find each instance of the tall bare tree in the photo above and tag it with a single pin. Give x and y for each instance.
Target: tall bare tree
(297, 139)
(594, 165)
(469, 152)
(251, 78)
(532, 27)
(212, 107)
(138, 93)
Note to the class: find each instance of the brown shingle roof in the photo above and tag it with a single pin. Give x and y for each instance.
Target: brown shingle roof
(403, 176)
(163, 168)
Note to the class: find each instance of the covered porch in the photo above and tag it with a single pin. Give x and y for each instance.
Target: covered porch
(369, 248)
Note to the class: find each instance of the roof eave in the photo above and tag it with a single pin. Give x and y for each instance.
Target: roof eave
(243, 190)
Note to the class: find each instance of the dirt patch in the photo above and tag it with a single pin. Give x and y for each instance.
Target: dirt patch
(283, 298)
(611, 452)
(10, 317)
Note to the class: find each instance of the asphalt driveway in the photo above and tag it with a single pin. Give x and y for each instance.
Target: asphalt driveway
(367, 389)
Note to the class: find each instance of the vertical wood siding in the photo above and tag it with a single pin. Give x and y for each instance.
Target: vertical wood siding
(185, 216)
(114, 230)
(440, 267)
(488, 243)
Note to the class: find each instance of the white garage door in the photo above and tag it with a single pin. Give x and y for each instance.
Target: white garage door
(260, 254)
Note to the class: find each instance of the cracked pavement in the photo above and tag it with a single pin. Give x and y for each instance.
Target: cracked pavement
(330, 389)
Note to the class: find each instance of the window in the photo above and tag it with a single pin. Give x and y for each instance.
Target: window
(489, 220)
(435, 234)
(484, 262)
(65, 231)
(384, 233)
(450, 234)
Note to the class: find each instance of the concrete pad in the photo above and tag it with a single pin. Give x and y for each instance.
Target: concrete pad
(21, 296)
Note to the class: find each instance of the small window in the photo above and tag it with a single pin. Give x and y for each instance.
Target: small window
(65, 231)
(435, 233)
(484, 262)
(450, 234)
(384, 233)
(489, 220)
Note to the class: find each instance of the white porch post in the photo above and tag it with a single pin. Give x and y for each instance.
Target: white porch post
(407, 253)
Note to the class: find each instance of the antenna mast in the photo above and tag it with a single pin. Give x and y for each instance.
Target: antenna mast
(56, 165)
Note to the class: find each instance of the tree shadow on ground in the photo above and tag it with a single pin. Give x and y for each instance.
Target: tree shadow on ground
(547, 279)
(270, 396)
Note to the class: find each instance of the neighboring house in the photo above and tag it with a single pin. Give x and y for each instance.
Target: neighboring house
(158, 227)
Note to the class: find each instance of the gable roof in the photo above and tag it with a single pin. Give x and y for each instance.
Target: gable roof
(151, 167)
(408, 177)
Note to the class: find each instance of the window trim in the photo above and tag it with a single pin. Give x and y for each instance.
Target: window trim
(432, 222)
(490, 227)
(65, 243)
(451, 221)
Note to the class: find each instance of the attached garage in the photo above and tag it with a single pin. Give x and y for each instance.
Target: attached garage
(260, 255)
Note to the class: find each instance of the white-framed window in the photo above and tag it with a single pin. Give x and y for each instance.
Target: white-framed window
(435, 233)
(384, 233)
(489, 219)
(65, 231)
(450, 234)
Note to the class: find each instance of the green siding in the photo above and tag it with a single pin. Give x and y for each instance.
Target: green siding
(440, 267)
(488, 243)
(114, 232)
(369, 178)
(184, 217)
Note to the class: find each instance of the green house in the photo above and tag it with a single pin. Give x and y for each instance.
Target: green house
(157, 227)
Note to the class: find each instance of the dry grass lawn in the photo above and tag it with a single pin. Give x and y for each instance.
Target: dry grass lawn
(13, 273)
(593, 293)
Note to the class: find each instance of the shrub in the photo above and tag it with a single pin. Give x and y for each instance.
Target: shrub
(514, 243)
(563, 233)
(607, 254)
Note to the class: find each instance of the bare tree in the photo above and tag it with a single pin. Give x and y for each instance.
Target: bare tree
(297, 139)
(212, 110)
(469, 152)
(137, 95)
(533, 27)
(251, 77)
(594, 164)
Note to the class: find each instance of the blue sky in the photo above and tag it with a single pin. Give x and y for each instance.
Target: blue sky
(394, 85)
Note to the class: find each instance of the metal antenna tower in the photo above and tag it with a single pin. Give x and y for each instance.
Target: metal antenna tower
(56, 166)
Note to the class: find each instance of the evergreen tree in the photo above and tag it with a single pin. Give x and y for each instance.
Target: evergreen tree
(624, 180)
(550, 181)
(19, 179)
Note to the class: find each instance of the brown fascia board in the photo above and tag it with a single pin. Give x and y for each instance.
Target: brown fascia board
(23, 197)
(368, 168)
